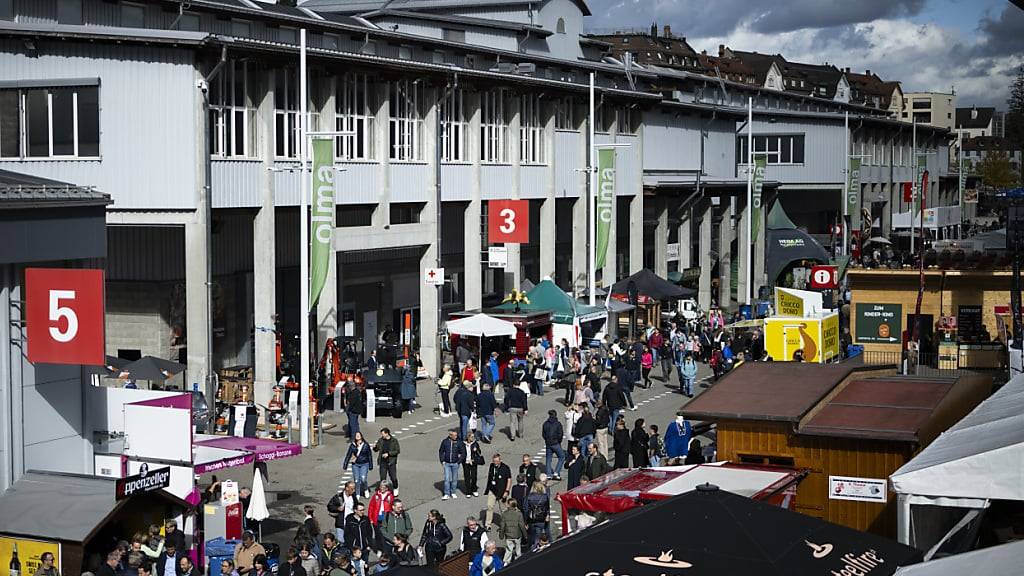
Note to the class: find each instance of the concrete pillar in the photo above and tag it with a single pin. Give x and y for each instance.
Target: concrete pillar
(381, 143)
(661, 237)
(430, 295)
(636, 209)
(580, 211)
(703, 257)
(548, 237)
(685, 248)
(515, 266)
(197, 244)
(725, 236)
(327, 305)
(743, 251)
(473, 273)
(264, 259)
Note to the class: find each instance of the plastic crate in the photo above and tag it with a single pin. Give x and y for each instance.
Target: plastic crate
(221, 547)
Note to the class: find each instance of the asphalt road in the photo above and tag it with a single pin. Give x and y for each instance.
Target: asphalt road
(315, 475)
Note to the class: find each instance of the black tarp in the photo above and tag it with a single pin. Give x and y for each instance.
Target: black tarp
(653, 286)
(788, 244)
(711, 532)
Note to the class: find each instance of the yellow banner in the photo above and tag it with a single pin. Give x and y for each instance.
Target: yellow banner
(29, 552)
(787, 304)
(830, 337)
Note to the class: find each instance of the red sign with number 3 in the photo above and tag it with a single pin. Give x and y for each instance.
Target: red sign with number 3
(64, 316)
(508, 221)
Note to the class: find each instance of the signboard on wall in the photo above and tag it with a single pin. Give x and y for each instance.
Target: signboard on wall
(29, 553)
(497, 257)
(878, 323)
(145, 481)
(508, 221)
(857, 489)
(64, 316)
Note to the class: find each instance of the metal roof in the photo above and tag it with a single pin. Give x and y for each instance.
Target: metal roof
(105, 33)
(358, 6)
(24, 191)
(463, 20)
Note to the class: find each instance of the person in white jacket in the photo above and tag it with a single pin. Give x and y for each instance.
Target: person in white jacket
(571, 416)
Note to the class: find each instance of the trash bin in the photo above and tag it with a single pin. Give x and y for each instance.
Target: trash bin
(218, 550)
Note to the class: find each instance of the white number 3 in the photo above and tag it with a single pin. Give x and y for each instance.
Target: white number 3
(57, 312)
(509, 217)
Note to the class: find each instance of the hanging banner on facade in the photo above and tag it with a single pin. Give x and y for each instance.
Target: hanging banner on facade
(759, 167)
(853, 193)
(922, 167)
(322, 221)
(605, 202)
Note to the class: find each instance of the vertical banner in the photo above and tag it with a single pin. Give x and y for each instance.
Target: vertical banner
(922, 167)
(853, 193)
(322, 221)
(605, 202)
(759, 166)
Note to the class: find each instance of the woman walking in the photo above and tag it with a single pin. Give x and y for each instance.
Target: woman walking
(444, 387)
(435, 538)
(361, 458)
(474, 459)
(646, 364)
(639, 444)
(621, 444)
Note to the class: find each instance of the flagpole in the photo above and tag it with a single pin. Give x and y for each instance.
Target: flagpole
(913, 200)
(303, 250)
(750, 200)
(846, 184)
(591, 199)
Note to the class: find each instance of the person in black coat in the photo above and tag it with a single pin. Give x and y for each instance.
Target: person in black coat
(465, 403)
(639, 444)
(576, 467)
(435, 538)
(621, 444)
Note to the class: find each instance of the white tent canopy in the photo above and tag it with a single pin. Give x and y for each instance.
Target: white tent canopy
(1003, 559)
(981, 458)
(481, 325)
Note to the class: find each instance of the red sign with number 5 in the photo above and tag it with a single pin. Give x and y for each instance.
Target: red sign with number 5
(64, 316)
(508, 221)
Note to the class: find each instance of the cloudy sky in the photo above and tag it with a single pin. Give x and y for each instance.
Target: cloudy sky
(974, 46)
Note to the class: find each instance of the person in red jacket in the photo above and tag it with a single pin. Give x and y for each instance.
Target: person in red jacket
(380, 503)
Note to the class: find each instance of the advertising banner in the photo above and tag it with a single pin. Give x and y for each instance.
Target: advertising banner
(830, 337)
(29, 553)
(759, 166)
(859, 489)
(853, 192)
(881, 323)
(322, 221)
(145, 481)
(605, 203)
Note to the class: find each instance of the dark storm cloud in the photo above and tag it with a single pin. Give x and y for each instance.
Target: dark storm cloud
(703, 18)
(846, 36)
(1004, 34)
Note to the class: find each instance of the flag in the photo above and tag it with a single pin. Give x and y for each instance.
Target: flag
(605, 203)
(853, 192)
(759, 167)
(322, 221)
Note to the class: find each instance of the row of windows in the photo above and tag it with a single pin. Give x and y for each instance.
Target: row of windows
(775, 148)
(50, 123)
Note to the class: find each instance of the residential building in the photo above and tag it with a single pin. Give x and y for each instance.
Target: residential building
(773, 71)
(930, 108)
(869, 90)
(975, 122)
(187, 115)
(981, 147)
(663, 49)
(999, 124)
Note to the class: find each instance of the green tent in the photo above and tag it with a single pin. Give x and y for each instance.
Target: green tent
(546, 295)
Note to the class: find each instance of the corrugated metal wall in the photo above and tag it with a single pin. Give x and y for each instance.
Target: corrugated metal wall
(567, 161)
(456, 182)
(533, 181)
(824, 143)
(236, 183)
(410, 182)
(147, 150)
(671, 141)
(145, 253)
(495, 181)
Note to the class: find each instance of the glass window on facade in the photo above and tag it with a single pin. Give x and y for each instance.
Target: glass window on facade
(776, 149)
(286, 114)
(406, 120)
(233, 101)
(531, 130)
(49, 122)
(493, 127)
(133, 16)
(454, 127)
(565, 113)
(355, 111)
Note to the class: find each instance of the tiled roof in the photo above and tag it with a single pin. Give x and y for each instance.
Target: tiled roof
(19, 190)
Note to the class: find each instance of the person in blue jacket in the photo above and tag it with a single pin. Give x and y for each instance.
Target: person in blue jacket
(486, 562)
(688, 372)
(677, 437)
(361, 458)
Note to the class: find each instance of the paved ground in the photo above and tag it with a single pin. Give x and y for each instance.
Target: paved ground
(314, 476)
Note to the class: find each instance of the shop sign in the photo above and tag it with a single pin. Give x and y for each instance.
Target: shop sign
(64, 316)
(145, 481)
(228, 492)
(672, 252)
(787, 304)
(878, 323)
(29, 553)
(830, 337)
(857, 489)
(497, 257)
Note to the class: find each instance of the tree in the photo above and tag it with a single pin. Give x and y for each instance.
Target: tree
(1015, 112)
(995, 170)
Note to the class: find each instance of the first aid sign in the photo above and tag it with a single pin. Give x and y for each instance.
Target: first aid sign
(64, 316)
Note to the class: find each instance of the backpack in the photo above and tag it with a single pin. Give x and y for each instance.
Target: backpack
(535, 512)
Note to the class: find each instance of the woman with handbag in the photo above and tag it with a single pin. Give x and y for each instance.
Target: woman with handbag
(474, 459)
(435, 538)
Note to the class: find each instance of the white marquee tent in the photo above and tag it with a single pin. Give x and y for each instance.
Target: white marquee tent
(947, 486)
(1002, 559)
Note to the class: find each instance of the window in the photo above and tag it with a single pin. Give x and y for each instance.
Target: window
(531, 130)
(602, 119)
(133, 16)
(355, 111)
(405, 212)
(233, 96)
(6, 9)
(69, 12)
(50, 122)
(189, 22)
(240, 28)
(454, 128)
(406, 121)
(564, 117)
(286, 114)
(288, 35)
(560, 26)
(922, 104)
(453, 35)
(777, 149)
(625, 121)
(493, 127)
(923, 117)
(330, 41)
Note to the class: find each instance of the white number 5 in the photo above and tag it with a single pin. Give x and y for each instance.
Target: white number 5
(57, 312)
(509, 216)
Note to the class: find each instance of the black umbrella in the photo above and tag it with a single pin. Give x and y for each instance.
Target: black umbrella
(112, 366)
(649, 284)
(153, 368)
(711, 532)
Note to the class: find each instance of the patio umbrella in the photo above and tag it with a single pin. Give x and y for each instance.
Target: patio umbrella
(878, 240)
(153, 368)
(481, 325)
(257, 511)
(112, 367)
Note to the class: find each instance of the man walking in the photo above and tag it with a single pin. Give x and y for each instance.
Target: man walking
(552, 433)
(614, 399)
(517, 409)
(397, 521)
(465, 402)
(359, 532)
(387, 449)
(486, 403)
(595, 465)
(499, 485)
(512, 530)
(452, 453)
(340, 506)
(353, 406)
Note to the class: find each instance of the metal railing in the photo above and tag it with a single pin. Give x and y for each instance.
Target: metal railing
(927, 364)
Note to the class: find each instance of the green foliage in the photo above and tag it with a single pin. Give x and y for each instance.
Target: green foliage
(995, 170)
(1015, 112)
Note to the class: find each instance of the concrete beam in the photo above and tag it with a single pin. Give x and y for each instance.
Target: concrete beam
(636, 213)
(685, 247)
(430, 296)
(515, 265)
(265, 259)
(661, 237)
(394, 236)
(548, 235)
(472, 241)
(725, 235)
